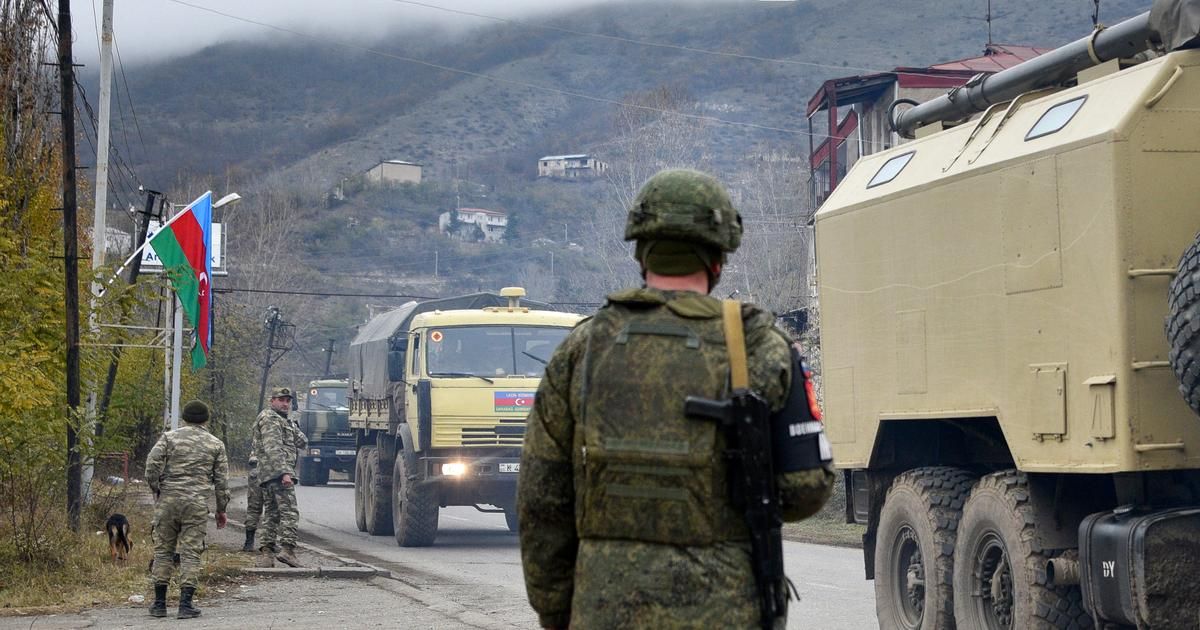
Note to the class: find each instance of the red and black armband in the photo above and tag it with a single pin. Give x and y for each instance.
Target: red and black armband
(798, 439)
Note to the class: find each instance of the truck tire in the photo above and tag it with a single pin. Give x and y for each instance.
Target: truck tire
(510, 519)
(999, 574)
(1183, 325)
(414, 504)
(378, 488)
(360, 488)
(312, 473)
(913, 552)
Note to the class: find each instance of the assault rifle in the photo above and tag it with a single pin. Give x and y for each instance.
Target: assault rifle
(744, 419)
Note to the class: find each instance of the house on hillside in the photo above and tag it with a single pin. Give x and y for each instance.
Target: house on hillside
(474, 224)
(570, 166)
(394, 172)
(847, 117)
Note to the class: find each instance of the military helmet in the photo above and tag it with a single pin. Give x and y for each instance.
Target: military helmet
(685, 205)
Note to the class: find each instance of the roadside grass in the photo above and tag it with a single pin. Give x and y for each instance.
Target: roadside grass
(82, 575)
(829, 526)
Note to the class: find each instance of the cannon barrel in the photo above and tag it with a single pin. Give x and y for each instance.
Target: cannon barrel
(1124, 39)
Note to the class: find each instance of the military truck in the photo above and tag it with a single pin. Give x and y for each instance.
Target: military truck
(439, 391)
(325, 420)
(1010, 306)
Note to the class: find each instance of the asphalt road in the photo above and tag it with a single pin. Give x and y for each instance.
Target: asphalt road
(476, 562)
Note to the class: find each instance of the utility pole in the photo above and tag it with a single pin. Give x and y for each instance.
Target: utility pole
(100, 211)
(272, 323)
(66, 74)
(328, 358)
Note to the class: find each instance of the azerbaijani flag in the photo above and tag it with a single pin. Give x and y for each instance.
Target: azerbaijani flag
(184, 245)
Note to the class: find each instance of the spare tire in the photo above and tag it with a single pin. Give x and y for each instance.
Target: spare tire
(1183, 325)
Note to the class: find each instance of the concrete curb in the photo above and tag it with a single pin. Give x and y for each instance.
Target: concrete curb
(352, 569)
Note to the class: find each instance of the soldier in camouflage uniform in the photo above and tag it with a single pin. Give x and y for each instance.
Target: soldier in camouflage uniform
(254, 502)
(181, 468)
(624, 506)
(277, 440)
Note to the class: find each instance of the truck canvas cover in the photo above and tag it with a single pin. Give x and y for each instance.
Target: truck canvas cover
(369, 350)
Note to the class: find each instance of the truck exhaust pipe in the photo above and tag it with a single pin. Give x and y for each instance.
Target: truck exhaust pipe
(1062, 571)
(1120, 41)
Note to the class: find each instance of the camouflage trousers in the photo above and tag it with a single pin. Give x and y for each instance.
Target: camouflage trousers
(178, 528)
(282, 517)
(255, 498)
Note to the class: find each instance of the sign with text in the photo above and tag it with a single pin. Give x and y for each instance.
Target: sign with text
(151, 263)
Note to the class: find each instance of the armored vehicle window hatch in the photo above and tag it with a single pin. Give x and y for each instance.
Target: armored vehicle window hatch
(890, 169)
(1056, 118)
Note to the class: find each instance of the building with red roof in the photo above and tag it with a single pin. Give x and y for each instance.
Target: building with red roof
(847, 117)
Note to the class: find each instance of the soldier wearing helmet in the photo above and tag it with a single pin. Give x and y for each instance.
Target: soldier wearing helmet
(626, 518)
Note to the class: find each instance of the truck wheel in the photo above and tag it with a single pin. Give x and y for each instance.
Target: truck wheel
(510, 519)
(414, 504)
(320, 475)
(1183, 325)
(360, 488)
(378, 487)
(913, 552)
(999, 575)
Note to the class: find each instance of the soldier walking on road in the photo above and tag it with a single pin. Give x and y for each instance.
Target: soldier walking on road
(277, 440)
(254, 502)
(635, 509)
(181, 468)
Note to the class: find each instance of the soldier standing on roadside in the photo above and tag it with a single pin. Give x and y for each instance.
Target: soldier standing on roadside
(277, 440)
(254, 502)
(180, 469)
(625, 506)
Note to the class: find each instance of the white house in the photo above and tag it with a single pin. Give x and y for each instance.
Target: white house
(468, 223)
(570, 166)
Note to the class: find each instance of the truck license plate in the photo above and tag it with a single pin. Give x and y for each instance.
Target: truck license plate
(342, 451)
(510, 467)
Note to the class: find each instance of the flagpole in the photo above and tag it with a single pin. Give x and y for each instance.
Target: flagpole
(176, 358)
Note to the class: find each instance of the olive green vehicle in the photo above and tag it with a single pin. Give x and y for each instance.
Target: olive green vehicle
(1010, 308)
(325, 420)
(439, 391)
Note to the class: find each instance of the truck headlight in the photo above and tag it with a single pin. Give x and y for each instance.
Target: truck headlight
(454, 469)
(314, 451)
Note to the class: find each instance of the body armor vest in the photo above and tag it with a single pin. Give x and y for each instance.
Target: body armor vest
(644, 471)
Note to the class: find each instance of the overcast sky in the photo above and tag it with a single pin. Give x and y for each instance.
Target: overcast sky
(149, 29)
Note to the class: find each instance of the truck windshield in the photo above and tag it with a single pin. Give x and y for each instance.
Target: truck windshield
(326, 398)
(491, 351)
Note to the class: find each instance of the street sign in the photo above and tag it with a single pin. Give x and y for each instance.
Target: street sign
(151, 263)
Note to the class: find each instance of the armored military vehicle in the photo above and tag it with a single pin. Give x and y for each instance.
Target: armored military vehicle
(1010, 306)
(439, 391)
(325, 421)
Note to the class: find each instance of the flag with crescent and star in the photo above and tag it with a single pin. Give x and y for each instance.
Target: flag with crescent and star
(184, 245)
(513, 402)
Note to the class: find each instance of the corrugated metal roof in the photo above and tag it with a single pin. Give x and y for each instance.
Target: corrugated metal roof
(995, 57)
(400, 162)
(580, 156)
(484, 211)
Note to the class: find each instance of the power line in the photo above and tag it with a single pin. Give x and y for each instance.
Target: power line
(367, 295)
(128, 97)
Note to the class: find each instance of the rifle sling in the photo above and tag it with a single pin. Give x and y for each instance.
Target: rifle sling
(735, 341)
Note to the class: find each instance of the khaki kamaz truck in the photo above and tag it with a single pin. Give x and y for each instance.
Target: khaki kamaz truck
(1010, 308)
(439, 391)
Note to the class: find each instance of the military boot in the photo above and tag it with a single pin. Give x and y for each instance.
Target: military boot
(159, 607)
(288, 556)
(266, 557)
(249, 545)
(186, 609)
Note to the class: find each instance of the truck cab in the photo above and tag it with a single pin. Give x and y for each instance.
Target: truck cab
(325, 421)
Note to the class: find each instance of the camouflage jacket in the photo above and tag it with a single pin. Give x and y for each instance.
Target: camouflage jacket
(277, 441)
(570, 577)
(185, 463)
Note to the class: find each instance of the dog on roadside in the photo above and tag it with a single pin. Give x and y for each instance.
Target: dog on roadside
(119, 543)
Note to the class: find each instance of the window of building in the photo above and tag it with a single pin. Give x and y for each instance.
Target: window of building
(890, 169)
(1055, 118)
